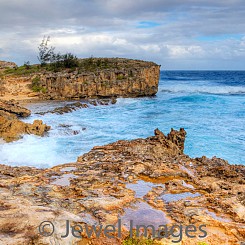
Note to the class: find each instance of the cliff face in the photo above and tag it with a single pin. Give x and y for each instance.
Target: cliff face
(120, 78)
(107, 83)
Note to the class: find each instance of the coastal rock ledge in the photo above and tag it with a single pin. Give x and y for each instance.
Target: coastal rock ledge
(150, 181)
(97, 78)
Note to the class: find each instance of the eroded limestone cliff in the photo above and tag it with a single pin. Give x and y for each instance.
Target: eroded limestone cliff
(116, 77)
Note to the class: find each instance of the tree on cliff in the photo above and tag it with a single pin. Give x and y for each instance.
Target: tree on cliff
(48, 56)
(46, 53)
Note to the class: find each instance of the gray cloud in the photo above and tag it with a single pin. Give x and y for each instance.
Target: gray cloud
(188, 34)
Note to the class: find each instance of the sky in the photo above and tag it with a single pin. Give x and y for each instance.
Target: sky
(177, 34)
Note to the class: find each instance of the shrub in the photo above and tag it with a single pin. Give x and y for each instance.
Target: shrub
(22, 70)
(120, 77)
(47, 56)
(36, 86)
(67, 60)
(27, 65)
(138, 241)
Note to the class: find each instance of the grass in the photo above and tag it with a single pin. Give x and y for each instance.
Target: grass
(81, 65)
(23, 70)
(146, 241)
(120, 77)
(138, 241)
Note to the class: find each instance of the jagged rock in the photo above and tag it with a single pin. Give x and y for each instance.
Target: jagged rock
(78, 105)
(65, 109)
(13, 108)
(174, 140)
(99, 188)
(97, 102)
(178, 138)
(12, 129)
(7, 115)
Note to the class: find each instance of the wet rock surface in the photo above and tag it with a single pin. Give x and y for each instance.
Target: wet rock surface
(14, 108)
(12, 128)
(148, 179)
(65, 109)
(78, 105)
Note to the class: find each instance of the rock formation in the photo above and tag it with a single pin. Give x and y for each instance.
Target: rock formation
(118, 78)
(137, 79)
(11, 128)
(77, 105)
(148, 180)
(6, 64)
(13, 108)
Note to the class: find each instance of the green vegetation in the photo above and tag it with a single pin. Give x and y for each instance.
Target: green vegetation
(36, 86)
(22, 70)
(46, 53)
(27, 65)
(93, 64)
(120, 77)
(138, 241)
(69, 63)
(56, 62)
(106, 84)
(202, 243)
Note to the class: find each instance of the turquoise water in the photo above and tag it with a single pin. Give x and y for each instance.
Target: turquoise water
(209, 105)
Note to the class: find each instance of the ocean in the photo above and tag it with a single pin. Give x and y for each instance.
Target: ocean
(210, 105)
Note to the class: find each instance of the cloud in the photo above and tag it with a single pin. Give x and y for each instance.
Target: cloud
(174, 33)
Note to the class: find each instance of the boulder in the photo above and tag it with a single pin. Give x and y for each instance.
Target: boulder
(12, 128)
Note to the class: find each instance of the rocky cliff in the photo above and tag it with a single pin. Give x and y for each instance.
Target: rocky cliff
(130, 79)
(96, 78)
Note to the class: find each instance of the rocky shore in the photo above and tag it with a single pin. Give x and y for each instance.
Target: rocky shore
(145, 180)
(148, 181)
(11, 114)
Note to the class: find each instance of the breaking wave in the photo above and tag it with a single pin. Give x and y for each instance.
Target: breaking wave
(209, 105)
(225, 90)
